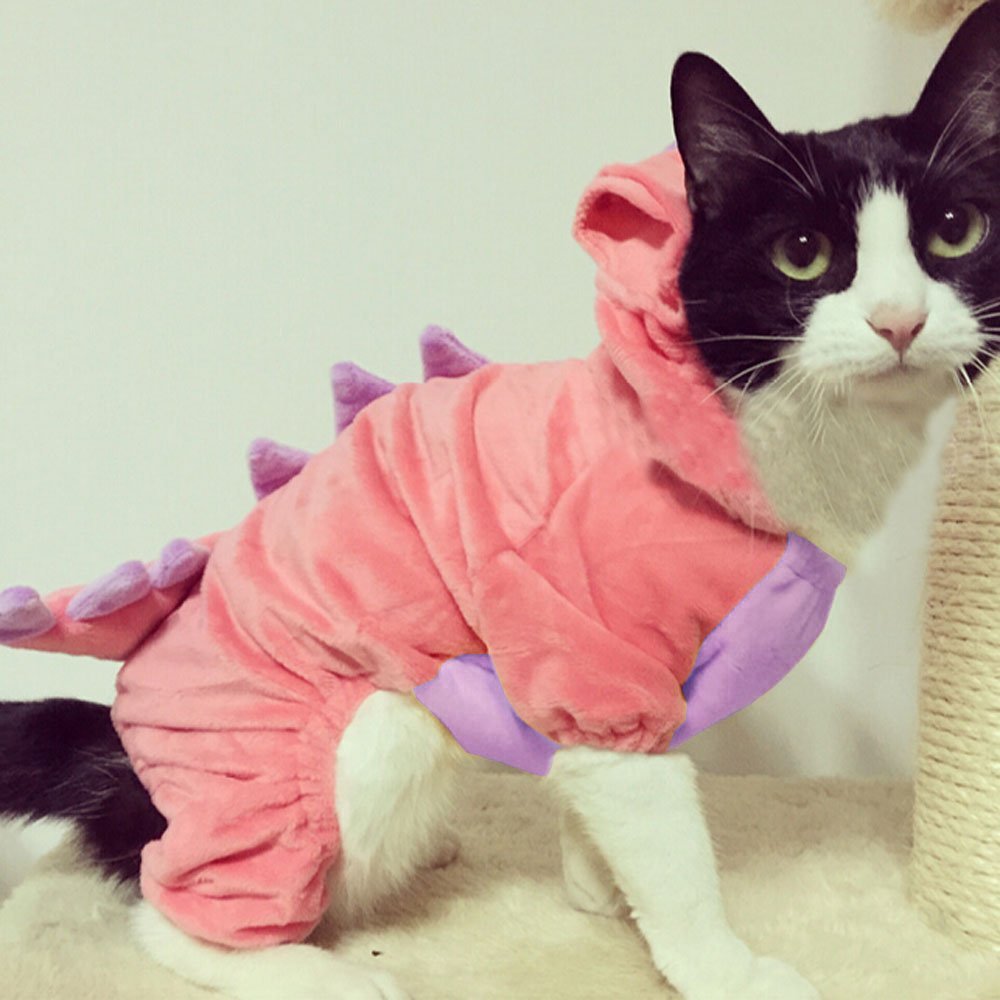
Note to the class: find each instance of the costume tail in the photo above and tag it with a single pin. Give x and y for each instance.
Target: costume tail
(62, 759)
(111, 616)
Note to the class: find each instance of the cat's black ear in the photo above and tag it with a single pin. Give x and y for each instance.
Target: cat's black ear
(961, 101)
(721, 134)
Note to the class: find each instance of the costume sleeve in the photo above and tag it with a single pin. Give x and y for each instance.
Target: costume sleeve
(567, 675)
(572, 614)
(594, 624)
(765, 636)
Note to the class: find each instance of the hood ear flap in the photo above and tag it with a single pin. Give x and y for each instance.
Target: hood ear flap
(635, 223)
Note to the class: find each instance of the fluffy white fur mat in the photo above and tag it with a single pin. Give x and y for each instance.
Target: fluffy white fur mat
(813, 872)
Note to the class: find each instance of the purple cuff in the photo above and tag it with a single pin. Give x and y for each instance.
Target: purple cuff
(468, 698)
(750, 651)
(762, 638)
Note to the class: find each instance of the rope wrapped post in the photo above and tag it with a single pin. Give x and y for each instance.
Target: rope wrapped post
(955, 866)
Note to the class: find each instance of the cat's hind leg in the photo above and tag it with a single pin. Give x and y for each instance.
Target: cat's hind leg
(391, 783)
(301, 971)
(394, 783)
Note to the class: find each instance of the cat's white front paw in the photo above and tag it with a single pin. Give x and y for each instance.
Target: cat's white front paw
(772, 979)
(743, 977)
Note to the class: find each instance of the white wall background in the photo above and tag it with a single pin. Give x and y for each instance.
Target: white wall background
(202, 206)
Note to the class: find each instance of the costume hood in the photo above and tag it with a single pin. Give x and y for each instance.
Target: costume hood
(634, 221)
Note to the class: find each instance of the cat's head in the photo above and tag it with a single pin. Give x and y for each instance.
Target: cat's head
(863, 262)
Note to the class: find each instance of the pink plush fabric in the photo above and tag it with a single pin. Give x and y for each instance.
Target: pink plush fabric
(634, 221)
(516, 510)
(586, 522)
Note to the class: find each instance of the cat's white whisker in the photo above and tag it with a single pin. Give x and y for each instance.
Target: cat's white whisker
(962, 158)
(986, 370)
(777, 166)
(956, 117)
(962, 145)
(741, 399)
(771, 338)
(746, 371)
(817, 408)
(777, 140)
(789, 306)
(816, 179)
(985, 306)
(987, 436)
(784, 388)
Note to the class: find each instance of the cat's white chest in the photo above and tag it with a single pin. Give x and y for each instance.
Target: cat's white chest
(830, 464)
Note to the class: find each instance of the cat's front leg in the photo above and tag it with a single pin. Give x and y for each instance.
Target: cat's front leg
(643, 813)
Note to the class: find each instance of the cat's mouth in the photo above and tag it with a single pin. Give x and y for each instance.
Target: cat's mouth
(886, 381)
(899, 370)
(912, 371)
(898, 382)
(859, 374)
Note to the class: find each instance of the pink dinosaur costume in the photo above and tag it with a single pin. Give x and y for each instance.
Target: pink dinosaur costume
(590, 524)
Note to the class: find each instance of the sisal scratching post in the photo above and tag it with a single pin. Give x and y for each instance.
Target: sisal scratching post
(955, 868)
(927, 15)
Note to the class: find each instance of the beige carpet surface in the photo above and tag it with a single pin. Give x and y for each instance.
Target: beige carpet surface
(813, 872)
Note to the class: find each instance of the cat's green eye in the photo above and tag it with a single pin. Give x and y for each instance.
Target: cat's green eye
(802, 254)
(958, 231)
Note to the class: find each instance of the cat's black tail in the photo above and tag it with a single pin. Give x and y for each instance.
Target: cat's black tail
(61, 758)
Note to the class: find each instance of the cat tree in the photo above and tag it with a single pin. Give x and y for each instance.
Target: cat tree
(927, 15)
(955, 868)
(955, 864)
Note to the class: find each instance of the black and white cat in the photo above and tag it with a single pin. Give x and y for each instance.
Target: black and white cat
(840, 286)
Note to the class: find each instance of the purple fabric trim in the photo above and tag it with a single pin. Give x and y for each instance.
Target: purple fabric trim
(180, 560)
(353, 390)
(272, 465)
(23, 614)
(747, 654)
(469, 700)
(762, 638)
(445, 356)
(124, 585)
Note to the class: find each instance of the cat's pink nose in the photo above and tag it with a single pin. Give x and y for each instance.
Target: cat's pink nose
(899, 326)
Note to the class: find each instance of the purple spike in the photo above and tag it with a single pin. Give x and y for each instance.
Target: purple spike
(272, 465)
(353, 390)
(124, 585)
(445, 356)
(180, 560)
(23, 615)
